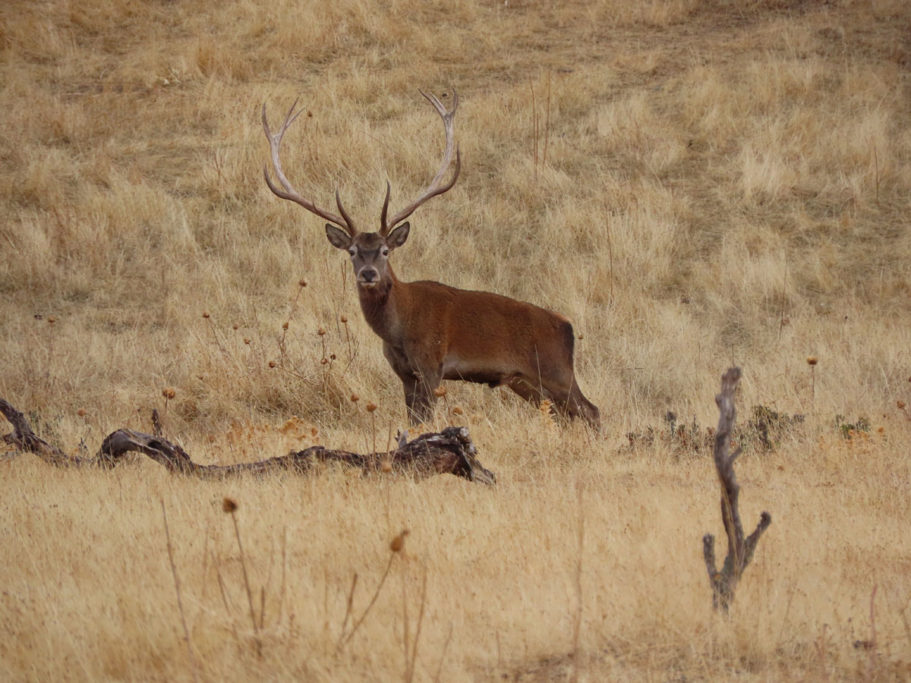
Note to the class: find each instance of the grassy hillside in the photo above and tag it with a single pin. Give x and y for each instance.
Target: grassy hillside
(694, 184)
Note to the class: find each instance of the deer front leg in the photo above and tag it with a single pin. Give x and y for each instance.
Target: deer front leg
(419, 399)
(419, 387)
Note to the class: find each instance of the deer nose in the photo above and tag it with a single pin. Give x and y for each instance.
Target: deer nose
(368, 276)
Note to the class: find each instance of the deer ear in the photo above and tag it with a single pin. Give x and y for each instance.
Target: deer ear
(398, 236)
(337, 238)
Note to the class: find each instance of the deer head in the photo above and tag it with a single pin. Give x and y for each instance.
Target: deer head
(369, 251)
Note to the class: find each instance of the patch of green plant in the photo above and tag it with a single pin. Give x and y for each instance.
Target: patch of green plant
(766, 427)
(678, 437)
(848, 430)
(763, 432)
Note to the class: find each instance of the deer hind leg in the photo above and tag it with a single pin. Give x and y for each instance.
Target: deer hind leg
(565, 400)
(577, 405)
(530, 391)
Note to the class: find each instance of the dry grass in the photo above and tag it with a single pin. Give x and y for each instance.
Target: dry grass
(720, 184)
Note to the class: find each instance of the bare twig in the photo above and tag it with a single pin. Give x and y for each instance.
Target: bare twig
(740, 550)
(411, 658)
(577, 617)
(396, 548)
(230, 507)
(183, 618)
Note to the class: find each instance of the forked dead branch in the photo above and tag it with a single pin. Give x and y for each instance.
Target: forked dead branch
(740, 549)
(450, 451)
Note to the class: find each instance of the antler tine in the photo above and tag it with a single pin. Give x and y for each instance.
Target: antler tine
(341, 209)
(434, 188)
(383, 225)
(287, 190)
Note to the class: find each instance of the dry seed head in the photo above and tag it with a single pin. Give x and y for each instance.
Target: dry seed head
(205, 314)
(271, 363)
(386, 465)
(235, 326)
(900, 404)
(321, 331)
(168, 393)
(247, 341)
(228, 505)
(51, 320)
(324, 361)
(456, 411)
(355, 398)
(439, 392)
(81, 412)
(371, 407)
(301, 283)
(812, 360)
(344, 319)
(285, 325)
(399, 542)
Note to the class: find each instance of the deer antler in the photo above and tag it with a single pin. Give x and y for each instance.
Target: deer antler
(434, 188)
(275, 141)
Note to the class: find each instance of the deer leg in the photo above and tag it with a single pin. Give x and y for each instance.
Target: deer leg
(418, 387)
(578, 406)
(418, 400)
(525, 388)
(569, 402)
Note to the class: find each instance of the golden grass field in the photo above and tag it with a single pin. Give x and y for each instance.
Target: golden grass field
(694, 184)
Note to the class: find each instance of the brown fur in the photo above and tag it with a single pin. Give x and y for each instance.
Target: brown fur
(432, 332)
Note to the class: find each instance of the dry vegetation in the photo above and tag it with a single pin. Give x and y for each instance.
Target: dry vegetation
(693, 183)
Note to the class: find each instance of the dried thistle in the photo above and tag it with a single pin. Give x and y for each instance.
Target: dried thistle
(398, 543)
(229, 505)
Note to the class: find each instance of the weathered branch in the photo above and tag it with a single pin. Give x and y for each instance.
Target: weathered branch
(25, 439)
(448, 452)
(740, 550)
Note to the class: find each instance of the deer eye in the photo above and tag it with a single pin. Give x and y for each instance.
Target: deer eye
(385, 251)
(352, 251)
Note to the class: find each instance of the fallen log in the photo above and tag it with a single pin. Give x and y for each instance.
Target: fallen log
(450, 451)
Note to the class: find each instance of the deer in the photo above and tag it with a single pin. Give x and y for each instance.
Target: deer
(431, 331)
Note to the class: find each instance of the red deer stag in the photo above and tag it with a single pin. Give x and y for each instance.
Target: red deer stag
(431, 331)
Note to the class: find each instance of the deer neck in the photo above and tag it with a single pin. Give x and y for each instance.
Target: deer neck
(379, 306)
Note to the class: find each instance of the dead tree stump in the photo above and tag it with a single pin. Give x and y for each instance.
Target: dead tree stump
(740, 549)
(450, 451)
